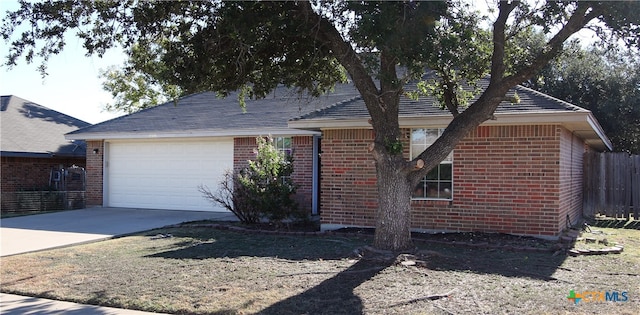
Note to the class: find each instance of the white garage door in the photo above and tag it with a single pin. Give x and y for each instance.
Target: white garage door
(165, 174)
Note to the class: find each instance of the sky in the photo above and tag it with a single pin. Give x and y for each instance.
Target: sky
(73, 86)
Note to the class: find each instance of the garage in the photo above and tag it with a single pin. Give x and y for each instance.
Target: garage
(165, 174)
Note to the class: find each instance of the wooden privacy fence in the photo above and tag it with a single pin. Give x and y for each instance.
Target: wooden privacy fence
(611, 185)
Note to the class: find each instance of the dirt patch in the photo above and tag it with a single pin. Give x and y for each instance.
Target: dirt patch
(471, 239)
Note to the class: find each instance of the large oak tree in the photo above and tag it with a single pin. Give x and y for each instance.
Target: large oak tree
(379, 46)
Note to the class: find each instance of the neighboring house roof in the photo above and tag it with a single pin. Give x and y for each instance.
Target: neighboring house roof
(205, 114)
(534, 108)
(31, 130)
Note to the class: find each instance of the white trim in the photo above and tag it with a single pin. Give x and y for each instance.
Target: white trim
(576, 120)
(599, 131)
(441, 121)
(160, 140)
(280, 132)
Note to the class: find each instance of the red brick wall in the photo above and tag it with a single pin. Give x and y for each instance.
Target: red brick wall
(572, 150)
(244, 149)
(95, 176)
(506, 179)
(348, 193)
(19, 173)
(303, 171)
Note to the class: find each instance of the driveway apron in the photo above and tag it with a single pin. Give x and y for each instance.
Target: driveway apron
(45, 231)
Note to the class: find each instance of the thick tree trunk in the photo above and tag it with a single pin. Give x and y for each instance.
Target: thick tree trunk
(395, 177)
(393, 219)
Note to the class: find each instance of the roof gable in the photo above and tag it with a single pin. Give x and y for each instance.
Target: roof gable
(29, 129)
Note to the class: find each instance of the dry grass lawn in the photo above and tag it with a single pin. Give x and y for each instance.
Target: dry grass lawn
(211, 271)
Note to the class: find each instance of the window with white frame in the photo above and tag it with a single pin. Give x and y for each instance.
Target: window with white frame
(438, 184)
(283, 144)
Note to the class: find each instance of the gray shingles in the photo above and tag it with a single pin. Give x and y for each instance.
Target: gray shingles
(29, 129)
(207, 112)
(530, 101)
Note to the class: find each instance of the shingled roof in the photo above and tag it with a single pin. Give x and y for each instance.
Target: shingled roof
(534, 108)
(285, 112)
(206, 114)
(530, 101)
(32, 130)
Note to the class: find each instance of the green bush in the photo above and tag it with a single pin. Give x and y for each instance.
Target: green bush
(263, 190)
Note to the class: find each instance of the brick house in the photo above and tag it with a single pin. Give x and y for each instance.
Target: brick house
(33, 146)
(520, 173)
(157, 158)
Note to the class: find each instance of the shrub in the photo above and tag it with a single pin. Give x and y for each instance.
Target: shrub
(236, 200)
(263, 190)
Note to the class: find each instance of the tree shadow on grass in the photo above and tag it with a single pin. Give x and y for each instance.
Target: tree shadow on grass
(518, 264)
(334, 295)
(208, 244)
(439, 257)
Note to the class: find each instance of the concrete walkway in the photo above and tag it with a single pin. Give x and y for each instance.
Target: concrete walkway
(20, 305)
(45, 231)
(52, 230)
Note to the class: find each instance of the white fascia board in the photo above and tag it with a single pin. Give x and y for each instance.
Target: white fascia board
(317, 124)
(528, 118)
(572, 120)
(593, 122)
(280, 132)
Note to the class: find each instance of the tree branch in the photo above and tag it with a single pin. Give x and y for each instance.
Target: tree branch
(497, 59)
(483, 108)
(578, 20)
(346, 55)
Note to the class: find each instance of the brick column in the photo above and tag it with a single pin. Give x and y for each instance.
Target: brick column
(95, 173)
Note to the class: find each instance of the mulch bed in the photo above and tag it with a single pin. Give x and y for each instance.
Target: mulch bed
(497, 241)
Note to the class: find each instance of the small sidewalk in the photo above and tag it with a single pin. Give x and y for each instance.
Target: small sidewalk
(20, 305)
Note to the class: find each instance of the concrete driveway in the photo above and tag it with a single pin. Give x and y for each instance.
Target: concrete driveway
(45, 231)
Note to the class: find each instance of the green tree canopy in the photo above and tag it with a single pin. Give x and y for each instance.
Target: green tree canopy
(605, 81)
(256, 46)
